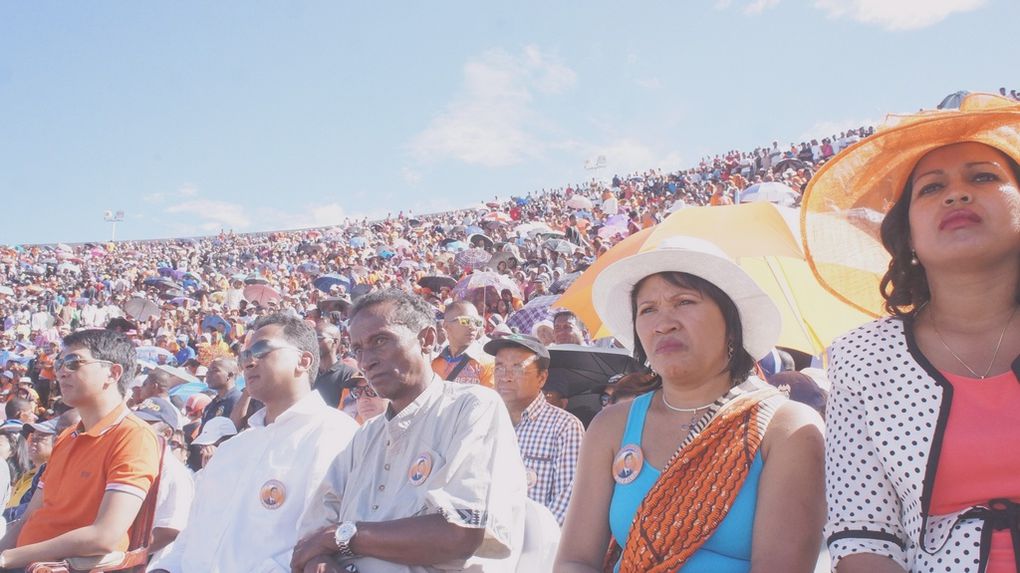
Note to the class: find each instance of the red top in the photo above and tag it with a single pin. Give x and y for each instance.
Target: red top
(980, 459)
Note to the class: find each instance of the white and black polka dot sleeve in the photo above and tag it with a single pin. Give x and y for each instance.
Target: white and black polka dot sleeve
(864, 510)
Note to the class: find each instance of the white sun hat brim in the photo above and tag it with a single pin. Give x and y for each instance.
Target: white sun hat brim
(760, 320)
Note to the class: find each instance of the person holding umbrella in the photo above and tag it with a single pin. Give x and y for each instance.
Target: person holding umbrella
(921, 464)
(712, 470)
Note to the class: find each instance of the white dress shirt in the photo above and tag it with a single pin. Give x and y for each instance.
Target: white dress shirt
(476, 478)
(251, 497)
(173, 498)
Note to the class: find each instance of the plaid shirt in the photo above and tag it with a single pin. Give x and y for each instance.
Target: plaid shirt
(550, 439)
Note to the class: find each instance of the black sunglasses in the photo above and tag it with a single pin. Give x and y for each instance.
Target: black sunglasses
(73, 362)
(366, 391)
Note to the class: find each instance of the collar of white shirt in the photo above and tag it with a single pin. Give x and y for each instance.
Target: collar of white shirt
(302, 408)
(398, 424)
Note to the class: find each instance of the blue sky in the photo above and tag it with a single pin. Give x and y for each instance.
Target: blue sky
(196, 116)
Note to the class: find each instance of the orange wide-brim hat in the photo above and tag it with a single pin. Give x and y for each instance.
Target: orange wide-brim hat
(845, 202)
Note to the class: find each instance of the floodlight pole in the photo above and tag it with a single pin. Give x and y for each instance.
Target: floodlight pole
(113, 218)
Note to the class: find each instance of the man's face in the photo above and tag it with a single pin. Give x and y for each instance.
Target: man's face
(217, 376)
(279, 366)
(517, 377)
(462, 325)
(82, 377)
(566, 331)
(390, 355)
(327, 341)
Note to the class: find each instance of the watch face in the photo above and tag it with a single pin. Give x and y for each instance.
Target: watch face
(345, 532)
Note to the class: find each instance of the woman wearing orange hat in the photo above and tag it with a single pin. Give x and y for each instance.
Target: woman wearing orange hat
(922, 456)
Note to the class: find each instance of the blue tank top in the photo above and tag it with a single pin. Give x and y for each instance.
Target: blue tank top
(728, 549)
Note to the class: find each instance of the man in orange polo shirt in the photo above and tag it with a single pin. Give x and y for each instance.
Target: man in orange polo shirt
(100, 471)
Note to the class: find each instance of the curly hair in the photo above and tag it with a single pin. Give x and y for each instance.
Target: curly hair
(905, 285)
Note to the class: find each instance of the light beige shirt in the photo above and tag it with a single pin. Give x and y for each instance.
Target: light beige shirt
(473, 474)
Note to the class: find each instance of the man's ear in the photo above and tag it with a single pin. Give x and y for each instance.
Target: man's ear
(116, 371)
(305, 362)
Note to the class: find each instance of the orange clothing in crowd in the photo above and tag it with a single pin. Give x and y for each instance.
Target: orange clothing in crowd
(121, 453)
(478, 370)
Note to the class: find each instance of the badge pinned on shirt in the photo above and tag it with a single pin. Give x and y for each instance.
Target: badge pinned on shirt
(532, 478)
(628, 463)
(420, 469)
(272, 494)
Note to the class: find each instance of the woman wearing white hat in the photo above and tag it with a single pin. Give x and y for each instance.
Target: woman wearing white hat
(712, 471)
(923, 450)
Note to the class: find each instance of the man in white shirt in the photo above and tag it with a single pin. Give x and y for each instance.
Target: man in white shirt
(434, 484)
(251, 496)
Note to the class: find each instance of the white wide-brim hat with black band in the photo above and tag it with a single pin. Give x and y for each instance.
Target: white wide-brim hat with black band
(759, 317)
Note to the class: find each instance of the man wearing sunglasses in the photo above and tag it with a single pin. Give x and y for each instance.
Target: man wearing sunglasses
(99, 474)
(258, 484)
(433, 484)
(462, 359)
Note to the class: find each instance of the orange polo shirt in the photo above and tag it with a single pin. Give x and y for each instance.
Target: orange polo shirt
(121, 453)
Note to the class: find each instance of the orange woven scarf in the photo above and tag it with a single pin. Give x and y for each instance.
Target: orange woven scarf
(694, 492)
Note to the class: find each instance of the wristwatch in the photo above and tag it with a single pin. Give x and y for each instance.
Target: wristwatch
(343, 535)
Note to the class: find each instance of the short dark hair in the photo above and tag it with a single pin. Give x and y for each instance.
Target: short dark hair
(566, 313)
(905, 285)
(409, 309)
(16, 406)
(108, 345)
(740, 363)
(297, 332)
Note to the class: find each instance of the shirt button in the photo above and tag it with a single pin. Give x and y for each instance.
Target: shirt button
(374, 507)
(382, 487)
(386, 467)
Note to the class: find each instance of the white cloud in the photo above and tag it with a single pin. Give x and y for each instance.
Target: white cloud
(211, 215)
(411, 176)
(759, 6)
(492, 121)
(652, 83)
(898, 14)
(722, 4)
(188, 190)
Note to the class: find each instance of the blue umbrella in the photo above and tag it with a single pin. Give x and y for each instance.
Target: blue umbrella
(325, 283)
(188, 389)
(455, 246)
(472, 229)
(308, 267)
(153, 353)
(216, 322)
(358, 242)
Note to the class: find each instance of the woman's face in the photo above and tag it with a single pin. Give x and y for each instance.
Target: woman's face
(964, 206)
(682, 330)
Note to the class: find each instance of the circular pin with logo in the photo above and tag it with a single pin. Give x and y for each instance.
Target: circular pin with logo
(272, 494)
(532, 477)
(420, 469)
(627, 464)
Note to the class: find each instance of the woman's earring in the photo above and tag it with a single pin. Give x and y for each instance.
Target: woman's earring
(913, 258)
(729, 350)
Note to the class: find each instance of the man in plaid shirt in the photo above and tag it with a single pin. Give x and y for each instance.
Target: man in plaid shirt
(549, 438)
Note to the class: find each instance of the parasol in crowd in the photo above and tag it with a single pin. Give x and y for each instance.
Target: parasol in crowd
(141, 309)
(537, 310)
(325, 283)
(256, 279)
(578, 369)
(580, 202)
(492, 283)
(472, 258)
(216, 322)
(435, 283)
(260, 294)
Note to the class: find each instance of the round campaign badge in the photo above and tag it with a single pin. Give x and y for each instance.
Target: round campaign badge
(532, 477)
(272, 494)
(628, 463)
(420, 469)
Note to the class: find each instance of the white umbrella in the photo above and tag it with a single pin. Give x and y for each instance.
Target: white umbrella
(580, 202)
